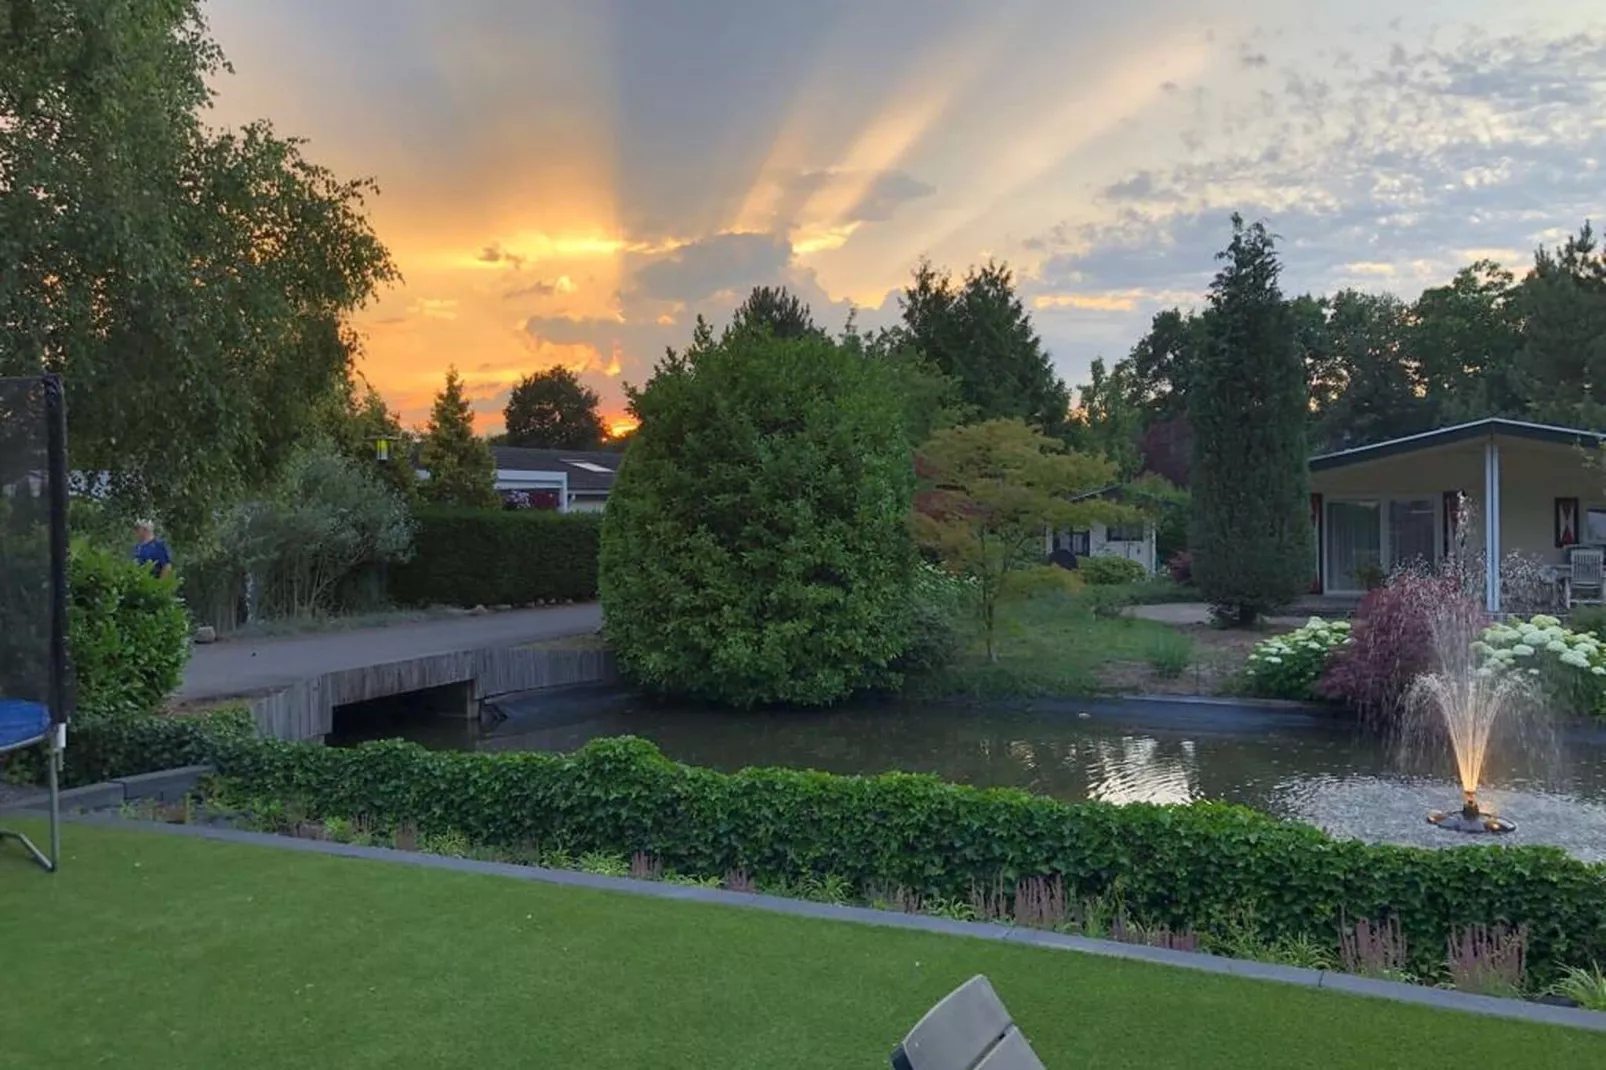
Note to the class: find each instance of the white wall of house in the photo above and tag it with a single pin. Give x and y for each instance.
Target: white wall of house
(514, 479)
(1532, 476)
(1133, 542)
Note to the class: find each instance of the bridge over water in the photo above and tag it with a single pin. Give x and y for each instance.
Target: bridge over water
(295, 684)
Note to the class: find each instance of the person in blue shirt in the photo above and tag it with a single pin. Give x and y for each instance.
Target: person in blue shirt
(151, 551)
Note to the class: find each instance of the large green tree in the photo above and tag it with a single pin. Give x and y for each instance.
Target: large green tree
(755, 547)
(777, 310)
(1248, 402)
(191, 285)
(1561, 365)
(1109, 417)
(978, 332)
(458, 461)
(357, 421)
(553, 409)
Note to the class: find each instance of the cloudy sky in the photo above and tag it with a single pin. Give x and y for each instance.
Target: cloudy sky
(573, 181)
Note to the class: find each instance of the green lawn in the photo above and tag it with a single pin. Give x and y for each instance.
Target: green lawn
(159, 951)
(1053, 644)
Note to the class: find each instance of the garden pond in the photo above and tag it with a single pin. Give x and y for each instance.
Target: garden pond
(1303, 764)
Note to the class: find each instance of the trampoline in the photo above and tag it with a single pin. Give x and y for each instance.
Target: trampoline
(33, 588)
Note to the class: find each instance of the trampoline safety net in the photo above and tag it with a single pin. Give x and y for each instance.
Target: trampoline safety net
(32, 554)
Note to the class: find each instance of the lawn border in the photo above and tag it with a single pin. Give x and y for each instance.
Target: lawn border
(1441, 999)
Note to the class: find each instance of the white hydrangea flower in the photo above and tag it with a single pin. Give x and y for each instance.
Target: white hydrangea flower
(1523, 650)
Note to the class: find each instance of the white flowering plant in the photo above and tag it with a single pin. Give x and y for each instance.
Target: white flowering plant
(1570, 666)
(1288, 666)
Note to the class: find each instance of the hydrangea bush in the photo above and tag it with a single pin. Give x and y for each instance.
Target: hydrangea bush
(1570, 665)
(1288, 666)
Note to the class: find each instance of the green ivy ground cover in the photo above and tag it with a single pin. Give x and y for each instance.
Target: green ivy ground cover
(1176, 866)
(162, 951)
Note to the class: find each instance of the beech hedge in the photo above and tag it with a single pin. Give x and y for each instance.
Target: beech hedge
(470, 557)
(1200, 865)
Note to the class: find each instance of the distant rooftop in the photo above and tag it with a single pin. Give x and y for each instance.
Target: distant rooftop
(588, 470)
(1445, 436)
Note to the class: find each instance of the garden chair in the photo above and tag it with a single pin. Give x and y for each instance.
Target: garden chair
(1586, 585)
(970, 1029)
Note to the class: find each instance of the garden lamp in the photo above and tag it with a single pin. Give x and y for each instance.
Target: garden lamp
(382, 448)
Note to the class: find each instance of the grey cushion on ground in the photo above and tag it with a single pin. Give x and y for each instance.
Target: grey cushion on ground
(970, 1029)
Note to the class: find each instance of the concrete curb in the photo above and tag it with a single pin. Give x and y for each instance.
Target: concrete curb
(168, 785)
(1518, 1010)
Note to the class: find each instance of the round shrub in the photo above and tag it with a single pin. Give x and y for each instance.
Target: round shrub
(1104, 570)
(755, 548)
(128, 634)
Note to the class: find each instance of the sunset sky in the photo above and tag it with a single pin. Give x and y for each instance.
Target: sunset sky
(573, 181)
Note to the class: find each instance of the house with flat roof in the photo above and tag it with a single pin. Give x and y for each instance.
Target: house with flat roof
(1518, 487)
(570, 481)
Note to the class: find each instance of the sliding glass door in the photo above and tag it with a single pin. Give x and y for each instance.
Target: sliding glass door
(1368, 539)
(1354, 544)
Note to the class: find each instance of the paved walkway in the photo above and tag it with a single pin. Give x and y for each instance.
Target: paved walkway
(1197, 614)
(242, 667)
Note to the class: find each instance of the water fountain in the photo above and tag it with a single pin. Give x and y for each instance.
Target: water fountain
(1467, 702)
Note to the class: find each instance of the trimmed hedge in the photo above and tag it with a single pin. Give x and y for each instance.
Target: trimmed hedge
(103, 748)
(470, 557)
(1199, 865)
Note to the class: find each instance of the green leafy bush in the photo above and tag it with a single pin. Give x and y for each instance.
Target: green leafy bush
(1591, 619)
(469, 557)
(940, 608)
(104, 748)
(756, 545)
(101, 747)
(1104, 570)
(1179, 866)
(1289, 666)
(1569, 664)
(128, 633)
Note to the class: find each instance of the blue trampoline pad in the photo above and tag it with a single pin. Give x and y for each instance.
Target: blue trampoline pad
(22, 722)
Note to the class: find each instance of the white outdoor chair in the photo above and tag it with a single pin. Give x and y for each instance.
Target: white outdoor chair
(970, 1029)
(1587, 584)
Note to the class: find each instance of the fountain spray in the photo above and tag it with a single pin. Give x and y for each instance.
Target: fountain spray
(1466, 701)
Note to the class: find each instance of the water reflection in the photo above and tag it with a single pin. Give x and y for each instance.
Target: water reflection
(1301, 766)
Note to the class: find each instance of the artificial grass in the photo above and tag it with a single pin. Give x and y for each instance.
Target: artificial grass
(151, 950)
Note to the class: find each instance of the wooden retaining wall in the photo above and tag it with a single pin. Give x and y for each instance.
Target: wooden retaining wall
(305, 710)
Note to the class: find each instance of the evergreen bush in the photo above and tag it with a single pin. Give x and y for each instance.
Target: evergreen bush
(755, 548)
(128, 634)
(472, 557)
(1248, 403)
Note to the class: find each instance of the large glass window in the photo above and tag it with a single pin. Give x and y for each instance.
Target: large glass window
(1354, 544)
(1413, 532)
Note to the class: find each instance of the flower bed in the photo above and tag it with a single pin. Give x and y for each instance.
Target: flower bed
(1305, 664)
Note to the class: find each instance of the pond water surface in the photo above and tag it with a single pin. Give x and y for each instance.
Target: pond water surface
(1303, 765)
